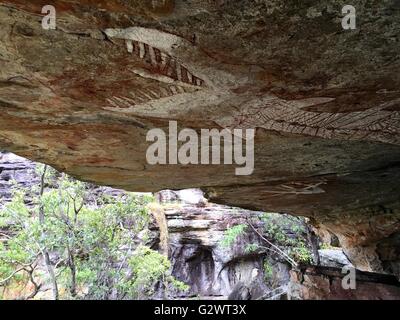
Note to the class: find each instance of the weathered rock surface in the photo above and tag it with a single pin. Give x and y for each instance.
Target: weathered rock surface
(15, 169)
(333, 258)
(324, 101)
(196, 231)
(325, 283)
(199, 258)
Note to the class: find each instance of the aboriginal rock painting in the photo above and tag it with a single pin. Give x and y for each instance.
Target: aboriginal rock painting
(374, 124)
(163, 64)
(172, 70)
(171, 76)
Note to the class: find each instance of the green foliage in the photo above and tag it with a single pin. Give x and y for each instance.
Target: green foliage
(231, 234)
(149, 267)
(283, 229)
(93, 239)
(178, 285)
(14, 212)
(19, 249)
(252, 247)
(268, 270)
(301, 254)
(284, 237)
(288, 232)
(328, 246)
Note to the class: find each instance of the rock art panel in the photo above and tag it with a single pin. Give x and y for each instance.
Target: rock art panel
(163, 53)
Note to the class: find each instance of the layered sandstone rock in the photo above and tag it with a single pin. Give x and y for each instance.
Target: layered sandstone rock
(326, 283)
(14, 169)
(200, 260)
(324, 102)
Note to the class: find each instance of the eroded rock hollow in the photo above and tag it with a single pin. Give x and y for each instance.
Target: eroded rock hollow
(324, 102)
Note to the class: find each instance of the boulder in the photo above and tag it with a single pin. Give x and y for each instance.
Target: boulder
(333, 258)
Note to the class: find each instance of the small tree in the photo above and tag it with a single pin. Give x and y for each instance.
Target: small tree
(91, 249)
(281, 235)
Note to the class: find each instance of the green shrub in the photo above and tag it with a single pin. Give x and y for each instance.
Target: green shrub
(231, 235)
(268, 270)
(94, 241)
